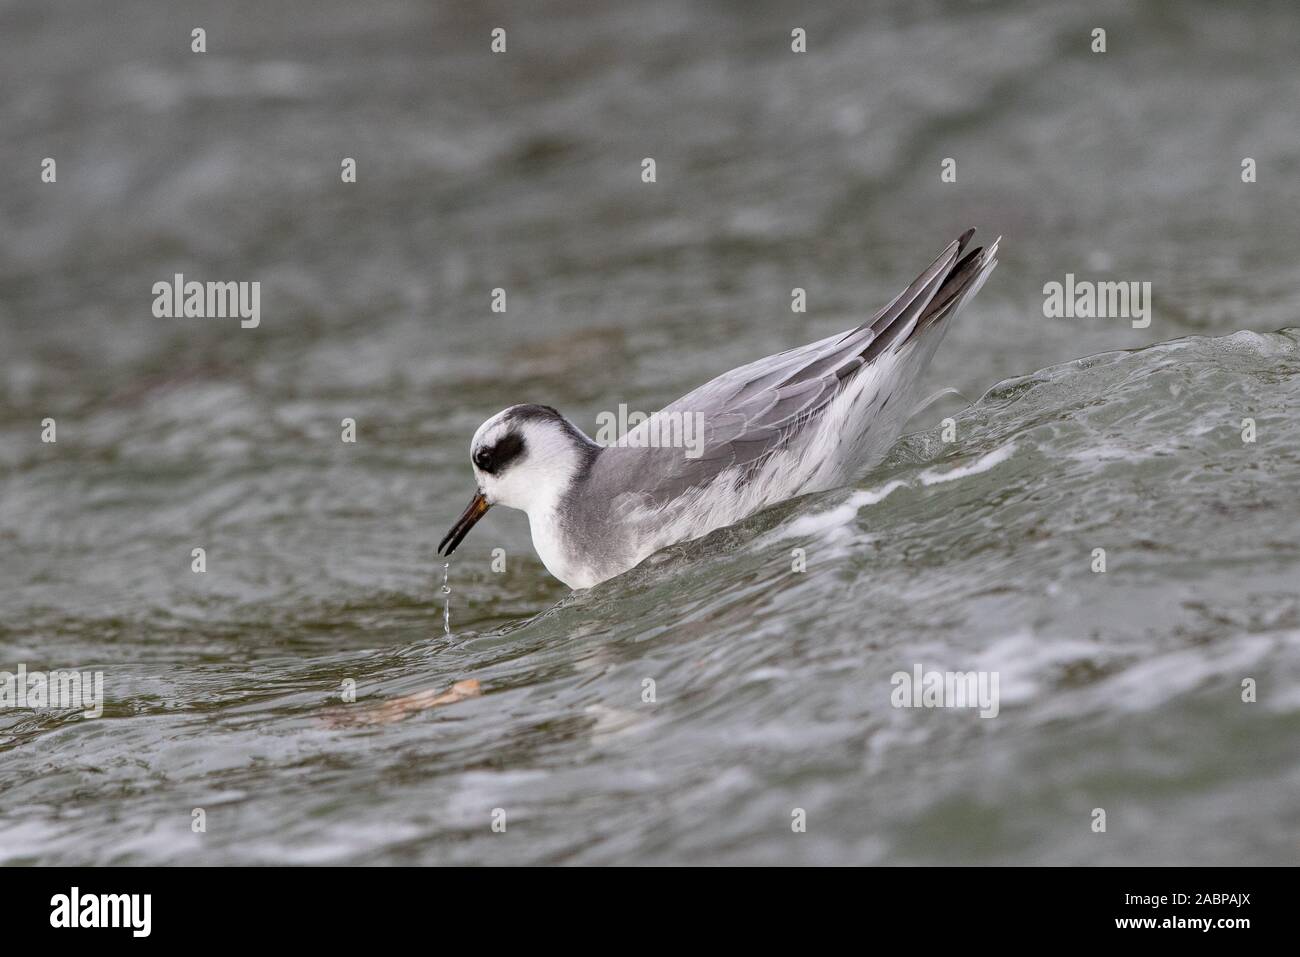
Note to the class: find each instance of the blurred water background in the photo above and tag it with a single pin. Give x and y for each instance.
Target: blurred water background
(775, 170)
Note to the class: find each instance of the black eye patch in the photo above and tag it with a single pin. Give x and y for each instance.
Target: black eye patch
(493, 459)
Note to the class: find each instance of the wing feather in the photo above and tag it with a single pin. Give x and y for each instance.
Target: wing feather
(750, 412)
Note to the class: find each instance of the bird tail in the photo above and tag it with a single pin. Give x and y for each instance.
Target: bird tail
(937, 293)
(961, 284)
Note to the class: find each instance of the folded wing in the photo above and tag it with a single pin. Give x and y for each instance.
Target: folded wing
(752, 411)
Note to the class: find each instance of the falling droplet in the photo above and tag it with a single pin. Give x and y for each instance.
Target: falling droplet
(446, 599)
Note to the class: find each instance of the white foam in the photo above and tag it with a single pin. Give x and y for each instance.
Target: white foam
(842, 515)
(981, 464)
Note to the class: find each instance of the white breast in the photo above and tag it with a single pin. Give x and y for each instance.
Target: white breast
(559, 561)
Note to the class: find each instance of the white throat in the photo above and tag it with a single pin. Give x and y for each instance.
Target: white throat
(530, 459)
(537, 488)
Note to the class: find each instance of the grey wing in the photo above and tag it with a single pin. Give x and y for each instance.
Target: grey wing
(752, 411)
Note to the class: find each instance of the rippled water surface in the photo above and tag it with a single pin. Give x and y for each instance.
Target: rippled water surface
(1120, 691)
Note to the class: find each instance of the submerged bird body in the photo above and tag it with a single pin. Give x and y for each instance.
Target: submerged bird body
(802, 421)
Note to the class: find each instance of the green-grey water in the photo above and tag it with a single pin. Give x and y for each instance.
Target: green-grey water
(1120, 690)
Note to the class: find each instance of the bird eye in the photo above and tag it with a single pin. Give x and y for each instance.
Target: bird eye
(500, 455)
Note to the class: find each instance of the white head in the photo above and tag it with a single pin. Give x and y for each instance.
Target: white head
(524, 457)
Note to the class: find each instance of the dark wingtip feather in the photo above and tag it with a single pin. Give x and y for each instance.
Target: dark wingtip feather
(964, 275)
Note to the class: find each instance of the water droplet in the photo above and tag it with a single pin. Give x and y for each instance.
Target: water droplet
(446, 600)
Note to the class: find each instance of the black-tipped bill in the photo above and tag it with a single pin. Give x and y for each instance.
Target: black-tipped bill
(478, 507)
